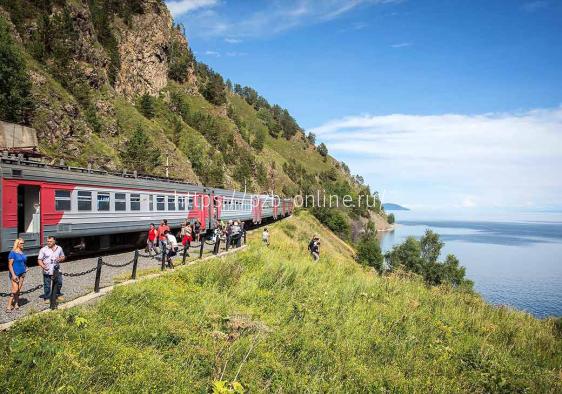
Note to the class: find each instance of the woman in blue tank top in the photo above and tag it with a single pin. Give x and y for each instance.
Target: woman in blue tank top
(18, 268)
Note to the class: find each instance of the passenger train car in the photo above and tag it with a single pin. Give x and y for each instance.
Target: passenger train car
(95, 210)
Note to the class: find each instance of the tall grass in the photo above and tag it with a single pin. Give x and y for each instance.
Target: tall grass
(274, 321)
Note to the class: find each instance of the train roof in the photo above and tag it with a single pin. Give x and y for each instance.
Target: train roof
(19, 167)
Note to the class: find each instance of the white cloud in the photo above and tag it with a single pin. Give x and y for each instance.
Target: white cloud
(212, 53)
(180, 7)
(496, 159)
(401, 45)
(233, 40)
(269, 17)
(235, 54)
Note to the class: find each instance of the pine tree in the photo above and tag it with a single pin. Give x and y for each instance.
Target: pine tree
(140, 154)
(15, 89)
(147, 106)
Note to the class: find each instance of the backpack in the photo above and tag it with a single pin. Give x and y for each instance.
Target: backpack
(311, 245)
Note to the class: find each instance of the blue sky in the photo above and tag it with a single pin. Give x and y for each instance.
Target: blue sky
(449, 103)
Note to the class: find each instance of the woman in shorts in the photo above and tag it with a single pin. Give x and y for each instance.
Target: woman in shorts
(17, 268)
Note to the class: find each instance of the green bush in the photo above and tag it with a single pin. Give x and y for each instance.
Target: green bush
(334, 219)
(421, 257)
(369, 252)
(390, 218)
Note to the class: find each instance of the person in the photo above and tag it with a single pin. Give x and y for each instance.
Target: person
(265, 236)
(17, 268)
(152, 239)
(242, 231)
(197, 229)
(50, 257)
(162, 228)
(171, 247)
(235, 234)
(185, 234)
(228, 234)
(314, 248)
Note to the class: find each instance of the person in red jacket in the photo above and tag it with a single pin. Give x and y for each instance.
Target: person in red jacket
(161, 230)
(152, 239)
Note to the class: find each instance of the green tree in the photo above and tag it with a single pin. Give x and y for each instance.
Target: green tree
(390, 217)
(181, 59)
(16, 104)
(322, 149)
(369, 252)
(140, 154)
(431, 246)
(334, 219)
(421, 257)
(146, 106)
(259, 140)
(311, 137)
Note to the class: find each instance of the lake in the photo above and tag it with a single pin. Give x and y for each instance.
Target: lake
(516, 262)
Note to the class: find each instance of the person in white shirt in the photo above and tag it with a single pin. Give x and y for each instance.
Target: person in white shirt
(265, 236)
(50, 256)
(171, 247)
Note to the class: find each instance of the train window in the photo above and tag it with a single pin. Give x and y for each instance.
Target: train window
(151, 202)
(160, 203)
(84, 201)
(171, 203)
(120, 202)
(62, 200)
(190, 203)
(135, 202)
(181, 203)
(103, 201)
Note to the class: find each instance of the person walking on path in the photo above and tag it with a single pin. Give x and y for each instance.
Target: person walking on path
(50, 257)
(235, 234)
(171, 247)
(17, 266)
(185, 234)
(197, 230)
(152, 239)
(265, 236)
(228, 234)
(161, 232)
(314, 248)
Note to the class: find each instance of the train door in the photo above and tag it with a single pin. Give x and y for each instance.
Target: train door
(29, 215)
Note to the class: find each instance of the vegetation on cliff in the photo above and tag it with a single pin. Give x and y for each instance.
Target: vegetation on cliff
(272, 320)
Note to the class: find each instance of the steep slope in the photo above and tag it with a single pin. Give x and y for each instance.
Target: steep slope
(273, 321)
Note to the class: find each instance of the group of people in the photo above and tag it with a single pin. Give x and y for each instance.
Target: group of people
(49, 259)
(161, 237)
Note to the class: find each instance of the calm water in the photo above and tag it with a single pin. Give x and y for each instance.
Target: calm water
(516, 263)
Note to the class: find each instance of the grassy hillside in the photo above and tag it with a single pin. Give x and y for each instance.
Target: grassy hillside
(273, 321)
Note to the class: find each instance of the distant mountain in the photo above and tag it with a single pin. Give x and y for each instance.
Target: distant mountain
(394, 207)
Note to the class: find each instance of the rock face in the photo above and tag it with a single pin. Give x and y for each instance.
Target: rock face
(143, 49)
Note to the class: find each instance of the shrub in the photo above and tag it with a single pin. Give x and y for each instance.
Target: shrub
(369, 252)
(322, 149)
(334, 219)
(421, 257)
(390, 218)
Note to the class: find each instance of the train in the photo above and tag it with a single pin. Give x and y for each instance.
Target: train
(94, 210)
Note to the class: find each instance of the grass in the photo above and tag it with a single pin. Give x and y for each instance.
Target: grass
(273, 321)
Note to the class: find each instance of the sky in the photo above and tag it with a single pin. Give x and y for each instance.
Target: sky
(453, 105)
